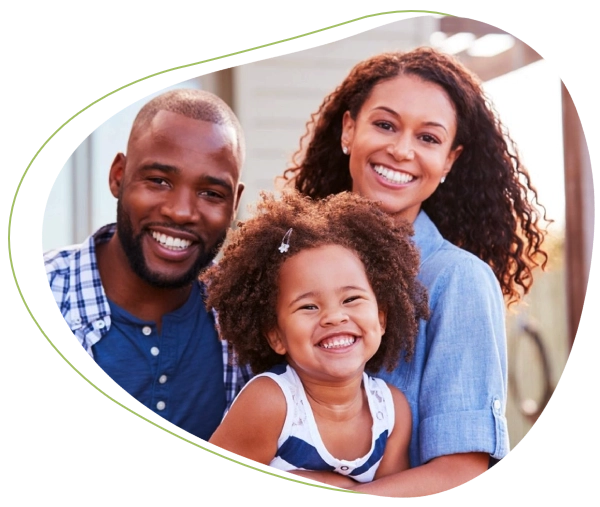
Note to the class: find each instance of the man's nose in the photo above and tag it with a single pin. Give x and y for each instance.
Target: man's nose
(181, 206)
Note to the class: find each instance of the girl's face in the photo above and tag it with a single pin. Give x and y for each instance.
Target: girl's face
(400, 143)
(328, 322)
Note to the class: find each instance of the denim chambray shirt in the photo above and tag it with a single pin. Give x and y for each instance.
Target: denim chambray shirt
(456, 382)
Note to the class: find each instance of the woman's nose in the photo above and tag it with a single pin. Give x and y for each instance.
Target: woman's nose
(402, 148)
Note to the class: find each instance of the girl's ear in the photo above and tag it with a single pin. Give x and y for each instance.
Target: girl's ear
(276, 343)
(382, 321)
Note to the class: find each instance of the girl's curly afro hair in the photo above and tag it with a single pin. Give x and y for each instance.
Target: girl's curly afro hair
(243, 287)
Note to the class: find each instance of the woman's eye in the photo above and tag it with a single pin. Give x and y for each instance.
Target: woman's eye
(384, 125)
(429, 139)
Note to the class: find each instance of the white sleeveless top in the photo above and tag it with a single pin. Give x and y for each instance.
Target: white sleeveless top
(300, 446)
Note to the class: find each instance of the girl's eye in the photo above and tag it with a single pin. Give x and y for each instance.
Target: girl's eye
(308, 307)
(351, 299)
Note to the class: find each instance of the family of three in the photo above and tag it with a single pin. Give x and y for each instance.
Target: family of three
(357, 321)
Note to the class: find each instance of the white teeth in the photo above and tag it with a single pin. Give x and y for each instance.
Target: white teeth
(340, 342)
(170, 242)
(393, 176)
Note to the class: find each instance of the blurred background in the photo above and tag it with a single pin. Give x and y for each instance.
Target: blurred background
(274, 99)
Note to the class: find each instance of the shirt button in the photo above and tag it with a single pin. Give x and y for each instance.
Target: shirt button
(162, 379)
(101, 324)
(147, 330)
(161, 405)
(154, 351)
(497, 404)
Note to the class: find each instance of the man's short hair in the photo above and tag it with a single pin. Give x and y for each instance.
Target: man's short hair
(195, 104)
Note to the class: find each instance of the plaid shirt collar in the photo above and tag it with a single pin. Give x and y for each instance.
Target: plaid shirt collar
(86, 309)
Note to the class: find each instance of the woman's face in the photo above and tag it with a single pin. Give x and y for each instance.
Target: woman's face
(400, 143)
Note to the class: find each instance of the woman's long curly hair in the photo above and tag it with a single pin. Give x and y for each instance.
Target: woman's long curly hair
(243, 286)
(486, 205)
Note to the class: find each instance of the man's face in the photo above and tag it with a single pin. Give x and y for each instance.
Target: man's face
(178, 190)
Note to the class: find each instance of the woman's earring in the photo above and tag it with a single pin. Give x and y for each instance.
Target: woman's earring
(443, 179)
(345, 149)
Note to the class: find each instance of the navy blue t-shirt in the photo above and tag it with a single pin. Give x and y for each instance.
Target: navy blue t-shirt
(179, 373)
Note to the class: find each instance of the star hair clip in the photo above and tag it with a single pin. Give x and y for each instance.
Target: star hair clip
(285, 242)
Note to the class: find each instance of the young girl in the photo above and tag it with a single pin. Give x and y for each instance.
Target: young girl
(303, 295)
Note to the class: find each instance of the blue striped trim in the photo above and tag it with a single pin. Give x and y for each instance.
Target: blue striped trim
(375, 456)
(301, 454)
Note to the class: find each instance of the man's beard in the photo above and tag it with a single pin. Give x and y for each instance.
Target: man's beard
(132, 246)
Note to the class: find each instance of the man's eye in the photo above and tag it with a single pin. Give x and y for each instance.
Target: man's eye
(159, 181)
(210, 193)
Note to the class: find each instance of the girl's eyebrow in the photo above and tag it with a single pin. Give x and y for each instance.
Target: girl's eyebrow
(311, 294)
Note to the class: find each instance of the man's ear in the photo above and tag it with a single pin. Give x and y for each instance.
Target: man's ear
(276, 343)
(238, 198)
(115, 176)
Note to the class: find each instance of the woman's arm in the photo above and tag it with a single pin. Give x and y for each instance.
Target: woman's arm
(329, 478)
(252, 426)
(440, 474)
(395, 458)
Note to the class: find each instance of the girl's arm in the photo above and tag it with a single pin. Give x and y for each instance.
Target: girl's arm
(395, 457)
(252, 426)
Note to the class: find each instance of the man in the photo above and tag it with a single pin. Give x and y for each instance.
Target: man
(130, 292)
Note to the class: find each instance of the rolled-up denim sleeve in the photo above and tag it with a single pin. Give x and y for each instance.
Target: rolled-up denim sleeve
(463, 386)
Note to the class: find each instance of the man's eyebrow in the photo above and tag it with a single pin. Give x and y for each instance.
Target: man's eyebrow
(213, 180)
(160, 167)
(204, 179)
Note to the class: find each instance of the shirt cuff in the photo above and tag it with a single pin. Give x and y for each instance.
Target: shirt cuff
(468, 431)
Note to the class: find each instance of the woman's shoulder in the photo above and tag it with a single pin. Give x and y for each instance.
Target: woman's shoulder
(450, 261)
(452, 271)
(439, 257)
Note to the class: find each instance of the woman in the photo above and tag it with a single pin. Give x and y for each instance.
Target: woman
(415, 132)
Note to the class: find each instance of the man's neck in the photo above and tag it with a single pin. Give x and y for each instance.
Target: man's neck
(127, 290)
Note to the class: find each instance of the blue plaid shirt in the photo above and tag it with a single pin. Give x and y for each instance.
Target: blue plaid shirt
(75, 283)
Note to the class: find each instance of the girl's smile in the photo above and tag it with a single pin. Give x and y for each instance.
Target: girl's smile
(328, 321)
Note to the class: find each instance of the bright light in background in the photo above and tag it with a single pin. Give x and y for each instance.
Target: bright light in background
(454, 44)
(528, 101)
(491, 44)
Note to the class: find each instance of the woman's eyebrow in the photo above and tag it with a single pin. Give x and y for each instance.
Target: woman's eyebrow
(394, 113)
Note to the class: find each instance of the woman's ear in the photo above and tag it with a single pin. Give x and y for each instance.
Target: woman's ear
(347, 132)
(276, 343)
(452, 156)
